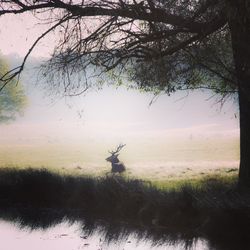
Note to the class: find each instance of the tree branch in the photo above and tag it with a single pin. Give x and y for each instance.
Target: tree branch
(17, 71)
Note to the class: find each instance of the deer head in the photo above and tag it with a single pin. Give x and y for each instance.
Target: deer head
(114, 154)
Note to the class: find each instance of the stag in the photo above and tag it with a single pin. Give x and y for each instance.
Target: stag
(117, 166)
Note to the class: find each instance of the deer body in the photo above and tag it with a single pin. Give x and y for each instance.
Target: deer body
(117, 166)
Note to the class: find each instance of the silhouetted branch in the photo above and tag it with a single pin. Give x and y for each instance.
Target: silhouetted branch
(8, 76)
(111, 34)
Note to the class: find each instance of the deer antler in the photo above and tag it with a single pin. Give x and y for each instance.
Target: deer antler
(119, 147)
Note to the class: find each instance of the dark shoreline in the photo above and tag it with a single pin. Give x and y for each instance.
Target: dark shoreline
(215, 211)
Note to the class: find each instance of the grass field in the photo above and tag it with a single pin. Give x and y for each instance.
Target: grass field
(149, 159)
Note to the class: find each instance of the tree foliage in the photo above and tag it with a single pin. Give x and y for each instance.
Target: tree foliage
(12, 97)
(163, 46)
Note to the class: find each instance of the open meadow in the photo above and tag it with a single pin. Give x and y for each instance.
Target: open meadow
(152, 159)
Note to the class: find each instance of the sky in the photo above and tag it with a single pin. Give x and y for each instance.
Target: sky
(108, 116)
(19, 32)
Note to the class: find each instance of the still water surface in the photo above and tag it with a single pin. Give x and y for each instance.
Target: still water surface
(68, 236)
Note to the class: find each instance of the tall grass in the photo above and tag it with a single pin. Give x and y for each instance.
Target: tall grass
(214, 209)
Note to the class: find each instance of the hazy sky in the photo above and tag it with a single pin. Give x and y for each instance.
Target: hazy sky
(118, 111)
(19, 32)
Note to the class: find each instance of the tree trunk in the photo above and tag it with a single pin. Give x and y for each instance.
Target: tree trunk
(239, 23)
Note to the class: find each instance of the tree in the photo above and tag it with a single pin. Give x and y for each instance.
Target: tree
(164, 45)
(12, 97)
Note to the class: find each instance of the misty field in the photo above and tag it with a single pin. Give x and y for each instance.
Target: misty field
(151, 158)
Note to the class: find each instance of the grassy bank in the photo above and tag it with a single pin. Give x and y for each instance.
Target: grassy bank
(212, 207)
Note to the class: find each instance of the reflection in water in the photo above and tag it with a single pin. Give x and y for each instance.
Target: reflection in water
(65, 236)
(61, 228)
(119, 210)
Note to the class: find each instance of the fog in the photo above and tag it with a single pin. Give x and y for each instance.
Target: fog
(185, 130)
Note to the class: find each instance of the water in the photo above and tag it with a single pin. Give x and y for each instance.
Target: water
(67, 236)
(39, 211)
